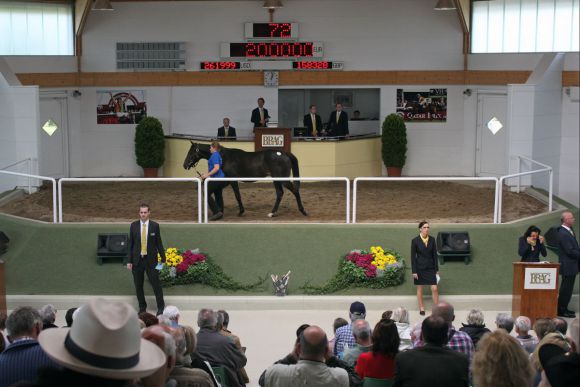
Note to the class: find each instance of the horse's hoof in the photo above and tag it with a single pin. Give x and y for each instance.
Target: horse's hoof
(241, 213)
(272, 214)
(304, 212)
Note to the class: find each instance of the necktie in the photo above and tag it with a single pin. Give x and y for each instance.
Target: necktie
(261, 115)
(144, 239)
(313, 118)
(337, 116)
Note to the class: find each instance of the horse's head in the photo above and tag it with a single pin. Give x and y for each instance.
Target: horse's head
(196, 153)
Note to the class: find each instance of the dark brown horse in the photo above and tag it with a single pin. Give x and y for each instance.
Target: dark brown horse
(239, 163)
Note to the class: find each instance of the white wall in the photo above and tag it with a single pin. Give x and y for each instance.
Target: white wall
(569, 185)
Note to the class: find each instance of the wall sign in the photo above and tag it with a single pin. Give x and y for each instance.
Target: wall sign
(540, 278)
(121, 107)
(273, 140)
(422, 105)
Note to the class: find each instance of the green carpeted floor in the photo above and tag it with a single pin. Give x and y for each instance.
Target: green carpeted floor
(60, 259)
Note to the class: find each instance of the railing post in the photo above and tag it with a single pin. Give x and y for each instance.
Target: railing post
(518, 171)
(199, 209)
(347, 200)
(495, 201)
(30, 173)
(60, 200)
(3, 306)
(354, 188)
(205, 182)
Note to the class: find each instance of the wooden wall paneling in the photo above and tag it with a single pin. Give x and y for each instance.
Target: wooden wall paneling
(570, 78)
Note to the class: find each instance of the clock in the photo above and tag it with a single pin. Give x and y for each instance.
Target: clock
(271, 78)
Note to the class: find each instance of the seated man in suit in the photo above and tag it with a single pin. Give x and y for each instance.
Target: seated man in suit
(226, 132)
(260, 116)
(338, 122)
(433, 364)
(313, 122)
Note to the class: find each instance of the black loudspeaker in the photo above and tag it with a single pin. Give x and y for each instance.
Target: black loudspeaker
(551, 237)
(112, 246)
(3, 242)
(453, 244)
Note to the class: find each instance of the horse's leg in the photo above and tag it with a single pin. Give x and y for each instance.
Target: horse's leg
(279, 194)
(236, 189)
(292, 188)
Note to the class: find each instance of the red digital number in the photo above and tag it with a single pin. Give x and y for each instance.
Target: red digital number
(280, 30)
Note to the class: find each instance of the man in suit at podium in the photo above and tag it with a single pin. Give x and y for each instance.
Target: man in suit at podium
(260, 116)
(313, 122)
(569, 257)
(226, 131)
(338, 122)
(144, 245)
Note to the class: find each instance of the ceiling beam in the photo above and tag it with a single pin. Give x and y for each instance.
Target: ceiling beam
(82, 9)
(463, 8)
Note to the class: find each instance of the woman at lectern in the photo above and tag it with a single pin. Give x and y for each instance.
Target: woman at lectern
(531, 245)
(424, 264)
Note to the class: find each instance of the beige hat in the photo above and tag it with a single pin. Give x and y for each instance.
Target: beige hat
(104, 341)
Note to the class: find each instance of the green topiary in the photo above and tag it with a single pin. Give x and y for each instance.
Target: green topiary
(394, 141)
(150, 143)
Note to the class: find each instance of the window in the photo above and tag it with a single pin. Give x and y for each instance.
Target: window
(36, 29)
(525, 26)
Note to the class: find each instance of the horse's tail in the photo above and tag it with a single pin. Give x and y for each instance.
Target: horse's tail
(295, 169)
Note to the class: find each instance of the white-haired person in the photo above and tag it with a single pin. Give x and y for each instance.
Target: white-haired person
(504, 321)
(523, 325)
(475, 326)
(48, 316)
(401, 318)
(172, 313)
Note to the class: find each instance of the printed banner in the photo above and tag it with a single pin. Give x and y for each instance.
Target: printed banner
(540, 278)
(121, 107)
(422, 105)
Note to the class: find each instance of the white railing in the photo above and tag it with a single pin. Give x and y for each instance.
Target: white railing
(355, 184)
(54, 195)
(519, 175)
(344, 179)
(29, 162)
(128, 179)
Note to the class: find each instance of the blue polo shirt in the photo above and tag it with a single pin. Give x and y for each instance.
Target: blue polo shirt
(214, 159)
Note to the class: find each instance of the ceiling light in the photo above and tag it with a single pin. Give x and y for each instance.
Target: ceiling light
(272, 4)
(102, 5)
(445, 5)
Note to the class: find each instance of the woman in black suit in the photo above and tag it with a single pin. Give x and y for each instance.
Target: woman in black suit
(424, 264)
(531, 245)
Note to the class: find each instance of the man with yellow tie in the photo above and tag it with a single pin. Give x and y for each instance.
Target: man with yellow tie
(313, 122)
(338, 122)
(260, 116)
(144, 245)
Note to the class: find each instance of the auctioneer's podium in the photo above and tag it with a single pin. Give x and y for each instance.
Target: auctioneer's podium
(535, 292)
(272, 138)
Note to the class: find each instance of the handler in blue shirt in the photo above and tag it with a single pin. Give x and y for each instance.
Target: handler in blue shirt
(214, 166)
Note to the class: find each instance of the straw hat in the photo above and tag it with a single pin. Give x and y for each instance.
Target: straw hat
(104, 341)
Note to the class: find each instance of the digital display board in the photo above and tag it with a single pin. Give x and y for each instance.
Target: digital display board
(317, 65)
(220, 65)
(274, 31)
(272, 50)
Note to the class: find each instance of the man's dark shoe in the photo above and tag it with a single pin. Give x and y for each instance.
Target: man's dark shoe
(567, 314)
(217, 216)
(159, 312)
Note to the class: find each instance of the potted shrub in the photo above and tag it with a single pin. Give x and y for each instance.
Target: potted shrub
(150, 146)
(394, 144)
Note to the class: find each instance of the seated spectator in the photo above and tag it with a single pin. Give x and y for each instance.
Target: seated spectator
(433, 364)
(21, 360)
(196, 361)
(311, 369)
(338, 322)
(542, 327)
(475, 327)
(331, 361)
(380, 362)
(457, 340)
(3, 336)
(523, 326)
(171, 312)
(223, 322)
(504, 321)
(500, 361)
(162, 337)
(401, 318)
(218, 350)
(68, 317)
(560, 325)
(561, 368)
(416, 335)
(48, 316)
(387, 314)
(148, 318)
(555, 338)
(574, 334)
(343, 335)
(361, 331)
(118, 357)
(185, 343)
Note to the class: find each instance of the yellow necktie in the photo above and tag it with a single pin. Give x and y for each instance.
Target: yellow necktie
(144, 240)
(313, 118)
(261, 115)
(337, 116)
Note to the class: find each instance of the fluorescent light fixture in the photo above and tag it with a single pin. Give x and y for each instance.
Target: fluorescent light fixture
(103, 5)
(273, 4)
(445, 5)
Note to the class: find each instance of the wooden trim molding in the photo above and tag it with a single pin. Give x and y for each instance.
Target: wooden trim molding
(287, 78)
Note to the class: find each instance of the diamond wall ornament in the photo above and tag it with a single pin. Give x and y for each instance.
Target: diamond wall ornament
(50, 127)
(494, 125)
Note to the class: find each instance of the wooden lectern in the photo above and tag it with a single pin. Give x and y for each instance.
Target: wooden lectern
(535, 292)
(272, 138)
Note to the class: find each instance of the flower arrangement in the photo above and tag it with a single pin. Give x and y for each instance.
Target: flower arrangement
(191, 266)
(377, 268)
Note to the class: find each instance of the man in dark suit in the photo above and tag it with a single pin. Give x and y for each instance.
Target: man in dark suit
(338, 122)
(226, 131)
(144, 245)
(260, 116)
(433, 364)
(569, 257)
(313, 122)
